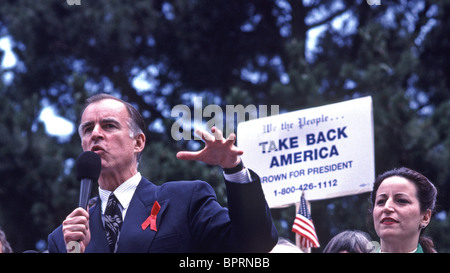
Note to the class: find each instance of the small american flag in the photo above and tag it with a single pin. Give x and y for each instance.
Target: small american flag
(304, 226)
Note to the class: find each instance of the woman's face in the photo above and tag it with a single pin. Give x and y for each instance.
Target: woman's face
(396, 213)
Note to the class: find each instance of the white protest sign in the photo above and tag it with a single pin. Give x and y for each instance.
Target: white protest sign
(325, 151)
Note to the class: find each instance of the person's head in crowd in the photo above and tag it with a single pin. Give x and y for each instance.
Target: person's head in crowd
(349, 241)
(285, 246)
(403, 202)
(4, 245)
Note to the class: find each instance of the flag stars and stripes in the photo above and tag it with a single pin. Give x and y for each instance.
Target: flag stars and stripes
(304, 226)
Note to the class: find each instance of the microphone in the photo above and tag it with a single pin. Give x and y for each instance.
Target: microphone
(88, 166)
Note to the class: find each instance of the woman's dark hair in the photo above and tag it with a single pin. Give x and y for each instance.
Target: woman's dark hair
(426, 194)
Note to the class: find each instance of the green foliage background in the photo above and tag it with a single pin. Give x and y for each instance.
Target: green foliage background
(227, 52)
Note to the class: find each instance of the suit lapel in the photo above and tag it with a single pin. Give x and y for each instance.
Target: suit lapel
(132, 238)
(98, 241)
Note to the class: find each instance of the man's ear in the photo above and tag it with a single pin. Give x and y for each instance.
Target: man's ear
(139, 143)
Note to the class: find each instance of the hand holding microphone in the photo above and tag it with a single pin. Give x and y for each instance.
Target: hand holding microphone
(76, 226)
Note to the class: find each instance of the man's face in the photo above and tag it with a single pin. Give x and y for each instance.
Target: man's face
(105, 131)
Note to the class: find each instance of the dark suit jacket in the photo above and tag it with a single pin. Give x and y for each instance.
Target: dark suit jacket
(190, 220)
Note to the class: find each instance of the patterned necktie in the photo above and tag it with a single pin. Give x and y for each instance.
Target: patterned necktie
(113, 221)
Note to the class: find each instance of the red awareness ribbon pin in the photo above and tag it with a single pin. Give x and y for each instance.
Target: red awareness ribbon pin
(151, 220)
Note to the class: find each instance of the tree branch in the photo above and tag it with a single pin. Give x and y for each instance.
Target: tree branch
(329, 18)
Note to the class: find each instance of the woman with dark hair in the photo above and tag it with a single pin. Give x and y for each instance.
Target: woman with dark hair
(403, 202)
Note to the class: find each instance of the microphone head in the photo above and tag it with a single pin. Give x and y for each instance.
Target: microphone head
(89, 165)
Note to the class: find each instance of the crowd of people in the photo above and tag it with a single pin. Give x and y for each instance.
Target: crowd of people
(184, 216)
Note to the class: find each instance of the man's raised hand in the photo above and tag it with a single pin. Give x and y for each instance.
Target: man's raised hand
(217, 150)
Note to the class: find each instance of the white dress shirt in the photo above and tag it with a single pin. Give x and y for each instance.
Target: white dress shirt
(124, 193)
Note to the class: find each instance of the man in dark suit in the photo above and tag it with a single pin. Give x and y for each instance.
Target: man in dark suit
(134, 215)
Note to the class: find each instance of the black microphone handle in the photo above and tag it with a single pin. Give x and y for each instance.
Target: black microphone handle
(85, 192)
